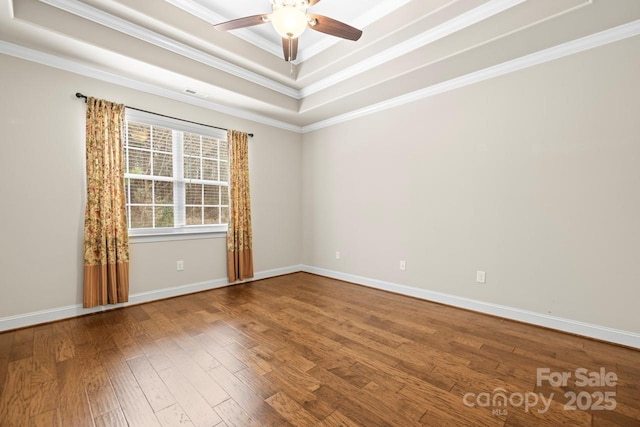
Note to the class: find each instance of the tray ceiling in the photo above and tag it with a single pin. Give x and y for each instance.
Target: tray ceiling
(358, 13)
(410, 49)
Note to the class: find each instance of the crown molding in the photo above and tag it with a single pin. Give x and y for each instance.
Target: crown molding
(458, 23)
(602, 38)
(87, 71)
(118, 24)
(438, 32)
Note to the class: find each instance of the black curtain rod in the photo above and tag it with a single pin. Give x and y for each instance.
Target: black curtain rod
(79, 95)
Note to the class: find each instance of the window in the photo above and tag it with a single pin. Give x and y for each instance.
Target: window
(176, 177)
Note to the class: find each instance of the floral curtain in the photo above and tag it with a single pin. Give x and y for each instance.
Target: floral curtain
(106, 242)
(239, 236)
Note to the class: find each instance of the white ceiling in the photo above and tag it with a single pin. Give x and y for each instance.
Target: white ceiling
(410, 49)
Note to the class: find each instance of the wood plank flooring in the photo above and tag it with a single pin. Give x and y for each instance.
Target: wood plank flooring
(302, 350)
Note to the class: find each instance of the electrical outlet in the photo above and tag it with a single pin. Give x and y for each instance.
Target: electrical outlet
(481, 276)
(337, 254)
(403, 265)
(180, 265)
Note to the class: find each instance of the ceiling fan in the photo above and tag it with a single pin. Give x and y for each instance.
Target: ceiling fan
(290, 18)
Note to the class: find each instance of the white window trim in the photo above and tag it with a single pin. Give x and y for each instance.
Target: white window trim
(184, 232)
(152, 236)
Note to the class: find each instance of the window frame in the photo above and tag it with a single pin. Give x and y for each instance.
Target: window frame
(184, 231)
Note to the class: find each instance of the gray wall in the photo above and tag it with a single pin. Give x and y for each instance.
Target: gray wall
(533, 177)
(42, 190)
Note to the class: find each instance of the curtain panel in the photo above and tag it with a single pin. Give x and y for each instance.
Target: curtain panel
(106, 242)
(239, 236)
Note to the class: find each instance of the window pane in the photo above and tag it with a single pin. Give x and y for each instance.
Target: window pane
(162, 139)
(194, 194)
(212, 215)
(139, 162)
(210, 169)
(164, 193)
(211, 195)
(191, 144)
(141, 217)
(151, 151)
(164, 216)
(194, 215)
(162, 164)
(224, 150)
(224, 171)
(138, 135)
(140, 191)
(209, 147)
(191, 168)
(224, 192)
(224, 215)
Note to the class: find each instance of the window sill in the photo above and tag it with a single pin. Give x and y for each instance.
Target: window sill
(183, 234)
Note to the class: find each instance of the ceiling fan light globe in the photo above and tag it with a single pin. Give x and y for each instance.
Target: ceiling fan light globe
(289, 21)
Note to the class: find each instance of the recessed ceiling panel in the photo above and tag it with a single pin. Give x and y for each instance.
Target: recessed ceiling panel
(357, 13)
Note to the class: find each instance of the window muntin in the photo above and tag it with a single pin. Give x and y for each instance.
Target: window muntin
(176, 177)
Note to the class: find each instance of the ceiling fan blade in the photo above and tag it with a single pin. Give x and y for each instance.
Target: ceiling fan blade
(294, 48)
(247, 21)
(313, 2)
(332, 27)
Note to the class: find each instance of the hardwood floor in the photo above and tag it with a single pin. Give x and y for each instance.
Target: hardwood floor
(303, 350)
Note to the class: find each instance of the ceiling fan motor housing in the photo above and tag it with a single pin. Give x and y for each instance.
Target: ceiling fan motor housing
(289, 21)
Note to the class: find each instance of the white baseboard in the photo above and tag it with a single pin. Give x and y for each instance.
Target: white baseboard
(590, 330)
(603, 333)
(277, 272)
(59, 313)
